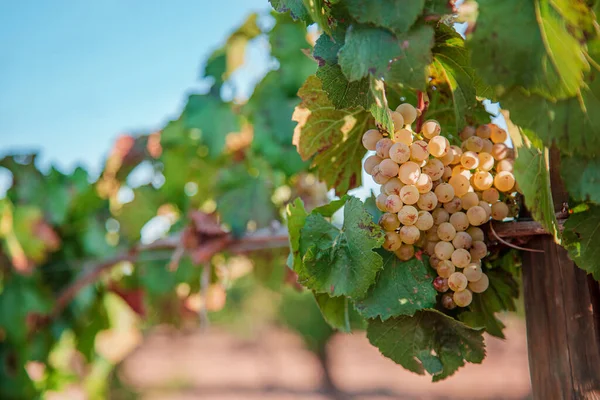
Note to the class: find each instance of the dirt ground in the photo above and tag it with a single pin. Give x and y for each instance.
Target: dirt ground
(216, 365)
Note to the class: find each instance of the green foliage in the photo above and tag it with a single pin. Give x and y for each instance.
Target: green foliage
(428, 341)
(581, 177)
(396, 15)
(401, 288)
(339, 312)
(580, 237)
(340, 261)
(330, 137)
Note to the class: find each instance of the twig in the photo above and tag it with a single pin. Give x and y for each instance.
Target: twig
(510, 244)
(422, 106)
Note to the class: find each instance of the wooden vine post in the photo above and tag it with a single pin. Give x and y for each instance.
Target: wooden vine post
(562, 308)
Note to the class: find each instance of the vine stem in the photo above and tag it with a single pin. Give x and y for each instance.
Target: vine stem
(422, 106)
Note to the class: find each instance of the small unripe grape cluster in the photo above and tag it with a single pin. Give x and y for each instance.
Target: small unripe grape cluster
(435, 196)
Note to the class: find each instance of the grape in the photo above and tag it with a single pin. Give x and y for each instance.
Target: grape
(467, 132)
(424, 184)
(499, 211)
(409, 234)
(462, 240)
(478, 250)
(408, 215)
(469, 160)
(448, 158)
(393, 203)
(378, 176)
(444, 192)
(445, 268)
(398, 120)
(483, 131)
(487, 146)
(480, 285)
(431, 128)
(469, 200)
(405, 252)
(476, 233)
(477, 215)
(434, 168)
(499, 151)
(370, 139)
(460, 170)
(446, 231)
(434, 261)
(400, 153)
(427, 201)
(380, 201)
(448, 302)
(504, 181)
(498, 135)
(430, 248)
(392, 241)
(403, 136)
(486, 161)
(505, 165)
(389, 168)
(370, 162)
(409, 113)
(440, 284)
(440, 215)
(460, 184)
(425, 221)
(418, 151)
(444, 250)
(510, 153)
(389, 222)
(447, 173)
(393, 186)
(457, 153)
(482, 180)
(453, 206)
(457, 281)
(459, 221)
(490, 195)
(432, 235)
(486, 207)
(463, 298)
(474, 143)
(461, 258)
(383, 147)
(409, 173)
(473, 272)
(409, 194)
(438, 146)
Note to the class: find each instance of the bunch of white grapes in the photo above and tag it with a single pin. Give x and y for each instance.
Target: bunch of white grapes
(435, 196)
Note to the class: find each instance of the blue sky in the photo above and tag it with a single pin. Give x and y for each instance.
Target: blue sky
(75, 74)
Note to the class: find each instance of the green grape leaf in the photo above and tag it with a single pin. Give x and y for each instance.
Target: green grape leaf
(581, 177)
(437, 7)
(296, 218)
(452, 65)
(332, 207)
(341, 92)
(295, 7)
(371, 207)
(396, 15)
(380, 109)
(529, 44)
(532, 173)
(20, 297)
(320, 12)
(331, 137)
(500, 296)
(244, 196)
(401, 288)
(134, 215)
(213, 118)
(428, 341)
(340, 261)
(300, 312)
(339, 312)
(581, 236)
(327, 47)
(400, 60)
